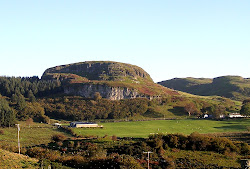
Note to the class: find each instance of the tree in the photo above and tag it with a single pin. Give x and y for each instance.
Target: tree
(21, 103)
(14, 98)
(245, 109)
(218, 110)
(31, 96)
(190, 108)
(7, 115)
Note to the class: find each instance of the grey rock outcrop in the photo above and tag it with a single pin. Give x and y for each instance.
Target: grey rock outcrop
(113, 93)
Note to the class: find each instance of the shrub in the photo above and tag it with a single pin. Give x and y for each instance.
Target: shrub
(1, 132)
(58, 137)
(114, 137)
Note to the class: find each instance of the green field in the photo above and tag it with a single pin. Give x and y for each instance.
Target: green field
(37, 133)
(145, 128)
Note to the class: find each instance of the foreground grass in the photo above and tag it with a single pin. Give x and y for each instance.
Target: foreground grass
(12, 160)
(145, 128)
(200, 158)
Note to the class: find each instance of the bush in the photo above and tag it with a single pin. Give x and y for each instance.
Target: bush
(58, 137)
(198, 142)
(114, 137)
(1, 132)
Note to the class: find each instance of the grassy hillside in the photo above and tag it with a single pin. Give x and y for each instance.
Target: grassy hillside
(234, 87)
(10, 160)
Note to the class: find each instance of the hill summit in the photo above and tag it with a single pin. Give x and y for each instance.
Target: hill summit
(99, 70)
(113, 80)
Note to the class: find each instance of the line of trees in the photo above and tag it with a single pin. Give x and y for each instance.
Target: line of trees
(75, 108)
(18, 98)
(28, 87)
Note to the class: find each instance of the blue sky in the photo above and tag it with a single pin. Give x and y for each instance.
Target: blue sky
(168, 39)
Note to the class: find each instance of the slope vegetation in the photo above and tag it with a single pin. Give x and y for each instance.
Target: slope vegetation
(13, 160)
(234, 87)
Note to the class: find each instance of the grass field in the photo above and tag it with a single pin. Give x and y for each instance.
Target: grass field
(145, 128)
(36, 134)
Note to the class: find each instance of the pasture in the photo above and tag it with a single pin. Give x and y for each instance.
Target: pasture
(35, 134)
(145, 128)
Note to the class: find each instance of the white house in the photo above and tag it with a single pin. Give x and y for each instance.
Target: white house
(235, 115)
(205, 116)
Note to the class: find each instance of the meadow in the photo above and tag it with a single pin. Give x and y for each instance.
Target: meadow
(35, 134)
(145, 128)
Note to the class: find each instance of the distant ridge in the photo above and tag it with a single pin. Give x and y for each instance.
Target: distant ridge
(234, 87)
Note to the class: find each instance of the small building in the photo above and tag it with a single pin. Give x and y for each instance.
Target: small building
(56, 124)
(84, 124)
(235, 115)
(222, 116)
(205, 116)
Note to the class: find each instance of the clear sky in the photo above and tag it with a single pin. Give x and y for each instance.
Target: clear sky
(167, 38)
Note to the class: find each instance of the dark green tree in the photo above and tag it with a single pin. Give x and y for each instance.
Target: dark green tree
(31, 96)
(21, 103)
(7, 115)
(14, 98)
(245, 109)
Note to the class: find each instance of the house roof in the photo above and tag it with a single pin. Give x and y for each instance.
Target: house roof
(78, 122)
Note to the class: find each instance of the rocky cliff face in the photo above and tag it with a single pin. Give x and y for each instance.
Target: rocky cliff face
(113, 93)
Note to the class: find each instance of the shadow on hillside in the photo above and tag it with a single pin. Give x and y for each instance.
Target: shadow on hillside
(232, 127)
(178, 111)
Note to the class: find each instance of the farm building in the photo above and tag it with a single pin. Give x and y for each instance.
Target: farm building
(235, 115)
(83, 124)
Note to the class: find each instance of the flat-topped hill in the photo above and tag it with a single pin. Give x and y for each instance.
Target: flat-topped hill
(113, 80)
(234, 87)
(99, 70)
